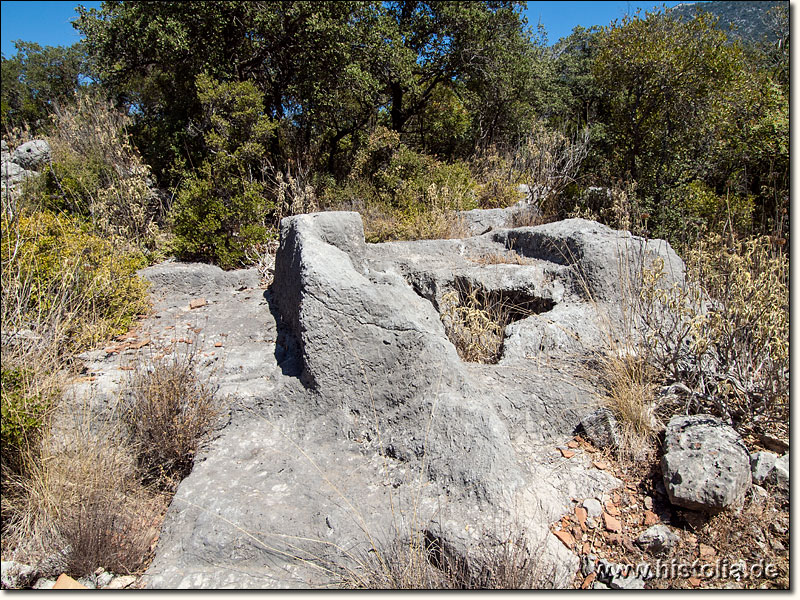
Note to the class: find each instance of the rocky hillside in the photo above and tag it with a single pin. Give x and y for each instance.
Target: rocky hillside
(748, 19)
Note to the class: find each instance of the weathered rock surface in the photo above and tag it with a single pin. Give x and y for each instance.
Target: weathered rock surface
(32, 155)
(352, 422)
(601, 429)
(658, 539)
(761, 465)
(22, 164)
(780, 474)
(705, 464)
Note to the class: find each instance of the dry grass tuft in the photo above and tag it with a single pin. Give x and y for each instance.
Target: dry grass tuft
(474, 326)
(629, 383)
(168, 412)
(422, 562)
(82, 507)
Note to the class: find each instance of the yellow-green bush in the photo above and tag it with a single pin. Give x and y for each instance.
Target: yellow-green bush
(67, 284)
(404, 194)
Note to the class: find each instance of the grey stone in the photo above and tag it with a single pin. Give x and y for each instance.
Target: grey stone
(121, 582)
(43, 583)
(593, 507)
(588, 564)
(15, 575)
(88, 582)
(349, 417)
(658, 539)
(758, 494)
(32, 155)
(104, 578)
(597, 585)
(780, 474)
(601, 429)
(705, 464)
(761, 465)
(631, 582)
(13, 174)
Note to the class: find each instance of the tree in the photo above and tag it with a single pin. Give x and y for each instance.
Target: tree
(35, 79)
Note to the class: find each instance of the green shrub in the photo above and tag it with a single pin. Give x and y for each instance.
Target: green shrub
(23, 416)
(222, 209)
(71, 287)
(403, 194)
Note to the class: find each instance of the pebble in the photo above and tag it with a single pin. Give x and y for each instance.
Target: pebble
(593, 507)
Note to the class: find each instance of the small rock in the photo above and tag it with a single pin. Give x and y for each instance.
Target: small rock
(658, 539)
(601, 428)
(581, 514)
(695, 581)
(611, 523)
(758, 494)
(32, 155)
(631, 582)
(573, 444)
(15, 575)
(780, 474)
(104, 578)
(197, 303)
(65, 582)
(591, 523)
(566, 538)
(705, 464)
(707, 552)
(773, 443)
(588, 580)
(600, 586)
(587, 548)
(648, 503)
(43, 583)
(650, 518)
(599, 464)
(593, 507)
(88, 583)
(587, 564)
(121, 582)
(761, 465)
(612, 509)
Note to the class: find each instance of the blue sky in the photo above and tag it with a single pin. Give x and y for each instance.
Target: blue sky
(48, 23)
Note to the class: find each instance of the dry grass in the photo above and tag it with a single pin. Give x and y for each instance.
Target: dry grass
(630, 385)
(474, 326)
(81, 507)
(168, 412)
(509, 257)
(422, 562)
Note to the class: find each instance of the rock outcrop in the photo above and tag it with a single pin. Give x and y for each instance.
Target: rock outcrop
(22, 164)
(353, 423)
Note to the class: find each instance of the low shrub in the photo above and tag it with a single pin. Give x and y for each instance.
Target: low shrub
(69, 287)
(403, 194)
(24, 414)
(725, 333)
(168, 412)
(82, 506)
(96, 173)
